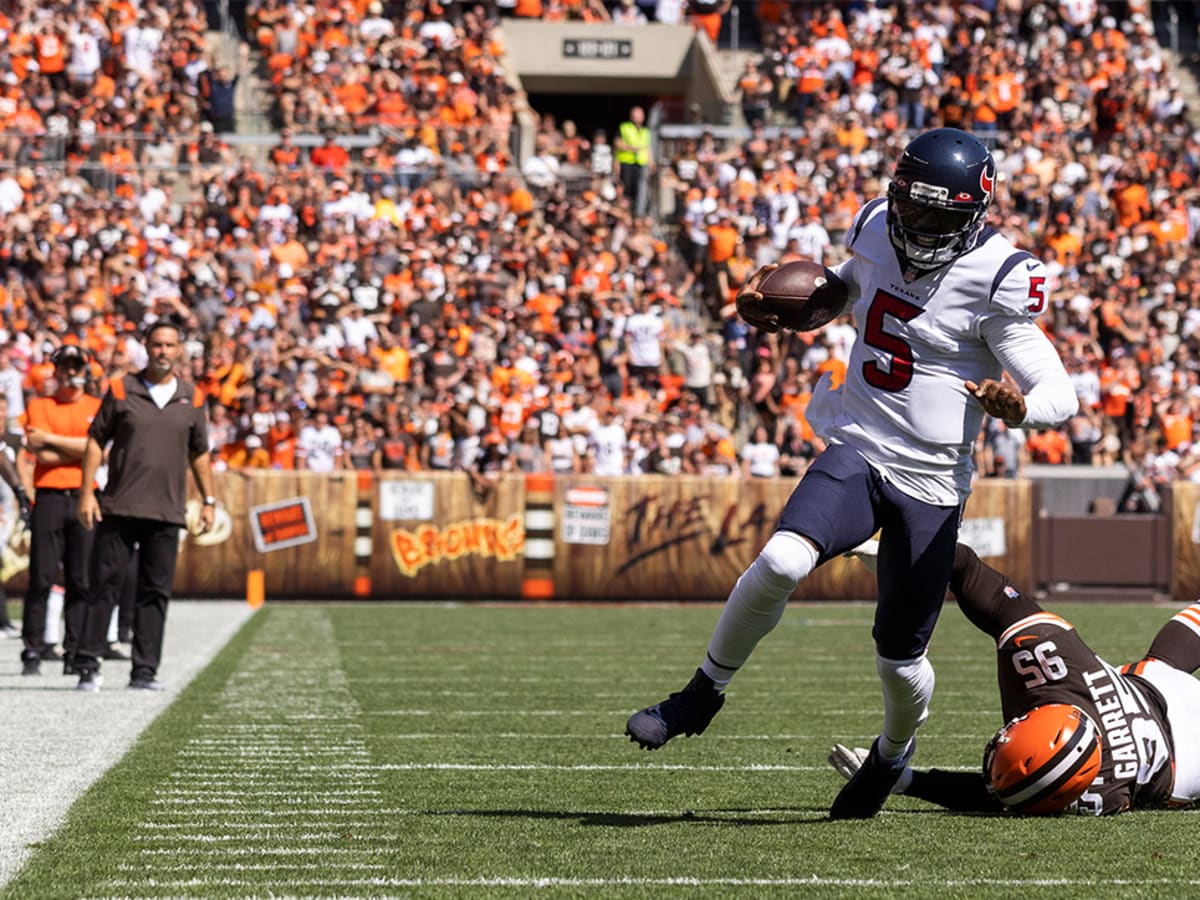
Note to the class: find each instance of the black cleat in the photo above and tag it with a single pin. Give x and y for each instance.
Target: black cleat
(864, 794)
(685, 712)
(146, 684)
(31, 666)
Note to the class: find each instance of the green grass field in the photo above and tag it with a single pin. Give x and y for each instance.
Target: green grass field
(477, 751)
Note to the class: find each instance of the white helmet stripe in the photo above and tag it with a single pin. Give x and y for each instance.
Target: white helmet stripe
(1081, 742)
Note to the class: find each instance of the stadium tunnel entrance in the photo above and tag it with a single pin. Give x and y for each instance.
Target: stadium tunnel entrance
(591, 113)
(594, 76)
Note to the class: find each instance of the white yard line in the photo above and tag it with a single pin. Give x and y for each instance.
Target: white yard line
(57, 741)
(814, 881)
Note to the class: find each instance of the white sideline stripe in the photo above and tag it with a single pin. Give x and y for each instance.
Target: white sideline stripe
(811, 881)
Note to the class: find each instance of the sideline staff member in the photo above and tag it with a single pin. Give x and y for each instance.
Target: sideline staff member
(157, 426)
(56, 430)
(11, 447)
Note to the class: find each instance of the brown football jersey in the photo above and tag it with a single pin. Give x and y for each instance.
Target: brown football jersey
(1043, 660)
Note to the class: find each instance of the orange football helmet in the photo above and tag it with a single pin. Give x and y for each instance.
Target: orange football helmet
(1041, 762)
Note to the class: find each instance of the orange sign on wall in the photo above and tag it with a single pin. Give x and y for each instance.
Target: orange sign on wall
(413, 550)
(286, 523)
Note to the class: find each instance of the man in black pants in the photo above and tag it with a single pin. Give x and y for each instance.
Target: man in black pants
(56, 430)
(10, 446)
(158, 429)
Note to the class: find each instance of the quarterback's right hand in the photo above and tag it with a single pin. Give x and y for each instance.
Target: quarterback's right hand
(749, 302)
(846, 761)
(88, 511)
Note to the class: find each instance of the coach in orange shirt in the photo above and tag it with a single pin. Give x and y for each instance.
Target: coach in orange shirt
(56, 434)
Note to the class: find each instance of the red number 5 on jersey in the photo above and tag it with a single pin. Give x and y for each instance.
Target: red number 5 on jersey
(1037, 293)
(897, 376)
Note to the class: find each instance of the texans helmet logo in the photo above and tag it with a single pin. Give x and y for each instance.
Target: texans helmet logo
(986, 181)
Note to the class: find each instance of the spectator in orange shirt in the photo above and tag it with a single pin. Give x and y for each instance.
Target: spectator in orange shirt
(705, 15)
(1048, 446)
(330, 156)
(723, 237)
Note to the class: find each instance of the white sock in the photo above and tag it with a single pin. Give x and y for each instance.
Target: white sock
(54, 610)
(757, 602)
(907, 690)
(112, 625)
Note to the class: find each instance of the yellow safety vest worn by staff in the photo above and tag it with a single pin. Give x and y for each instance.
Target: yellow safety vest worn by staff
(637, 138)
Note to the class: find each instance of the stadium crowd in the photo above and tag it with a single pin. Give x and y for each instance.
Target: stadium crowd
(427, 301)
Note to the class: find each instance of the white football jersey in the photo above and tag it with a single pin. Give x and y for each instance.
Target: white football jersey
(903, 405)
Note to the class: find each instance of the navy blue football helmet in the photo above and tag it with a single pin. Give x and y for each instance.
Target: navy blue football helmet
(939, 197)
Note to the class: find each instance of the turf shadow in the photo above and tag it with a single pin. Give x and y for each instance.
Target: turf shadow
(739, 817)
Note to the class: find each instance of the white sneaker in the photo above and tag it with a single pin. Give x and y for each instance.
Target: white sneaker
(90, 682)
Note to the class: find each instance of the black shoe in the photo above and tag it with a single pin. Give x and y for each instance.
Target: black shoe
(31, 666)
(114, 652)
(685, 712)
(864, 794)
(50, 654)
(147, 683)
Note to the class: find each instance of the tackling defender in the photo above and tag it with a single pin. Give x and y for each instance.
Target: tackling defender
(943, 306)
(1082, 736)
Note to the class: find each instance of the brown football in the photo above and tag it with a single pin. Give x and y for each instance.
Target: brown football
(803, 294)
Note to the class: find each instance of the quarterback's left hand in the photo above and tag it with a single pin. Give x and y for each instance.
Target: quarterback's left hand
(999, 400)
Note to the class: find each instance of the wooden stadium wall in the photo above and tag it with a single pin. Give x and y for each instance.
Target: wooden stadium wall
(435, 535)
(1185, 541)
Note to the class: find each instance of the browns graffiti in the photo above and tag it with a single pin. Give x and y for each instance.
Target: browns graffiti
(413, 550)
(653, 527)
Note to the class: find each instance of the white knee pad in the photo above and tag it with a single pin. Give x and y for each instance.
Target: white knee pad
(787, 557)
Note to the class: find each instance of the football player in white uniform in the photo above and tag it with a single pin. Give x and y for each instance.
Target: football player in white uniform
(1081, 736)
(943, 305)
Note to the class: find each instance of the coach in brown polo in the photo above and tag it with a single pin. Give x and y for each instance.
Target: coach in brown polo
(158, 429)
